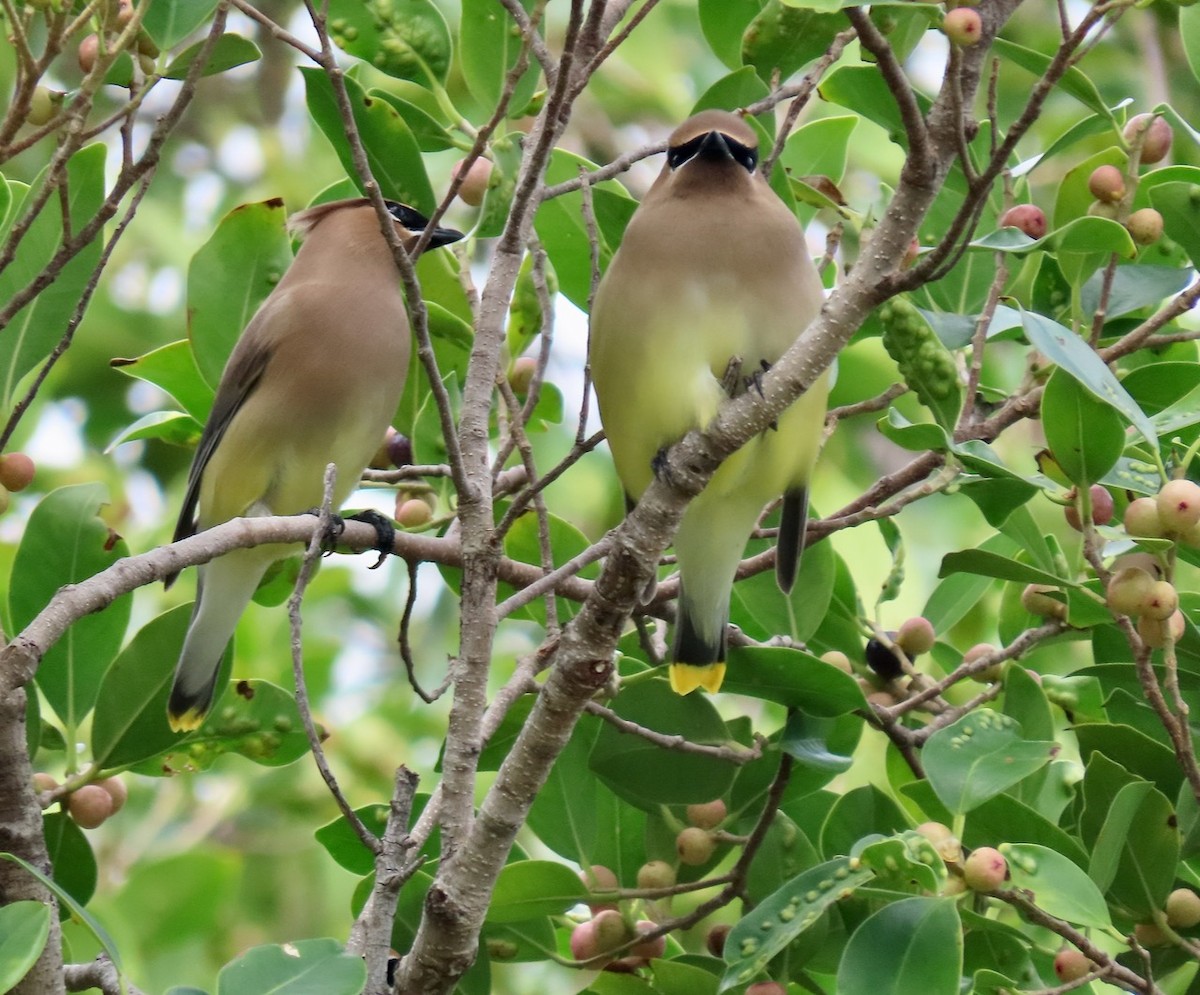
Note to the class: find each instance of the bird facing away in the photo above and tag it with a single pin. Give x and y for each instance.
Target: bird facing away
(315, 379)
(710, 286)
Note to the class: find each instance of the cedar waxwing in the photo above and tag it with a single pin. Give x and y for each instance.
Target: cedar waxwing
(315, 379)
(712, 283)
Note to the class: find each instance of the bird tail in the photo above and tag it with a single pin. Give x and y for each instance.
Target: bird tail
(793, 518)
(698, 657)
(708, 547)
(225, 588)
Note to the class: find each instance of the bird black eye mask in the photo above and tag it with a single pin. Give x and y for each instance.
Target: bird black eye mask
(744, 155)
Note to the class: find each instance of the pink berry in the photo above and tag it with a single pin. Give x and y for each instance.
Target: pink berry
(1071, 964)
(985, 869)
(1179, 505)
(963, 26)
(1157, 142)
(475, 183)
(90, 806)
(915, 636)
(695, 846)
(1107, 183)
(708, 815)
(1029, 218)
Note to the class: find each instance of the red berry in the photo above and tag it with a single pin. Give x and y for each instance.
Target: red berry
(1102, 508)
(116, 791)
(16, 471)
(708, 815)
(583, 941)
(649, 949)
(714, 939)
(1155, 632)
(611, 930)
(963, 26)
(475, 183)
(1183, 909)
(520, 377)
(1029, 218)
(1142, 519)
(89, 806)
(695, 846)
(985, 869)
(656, 874)
(1128, 589)
(1157, 142)
(1071, 964)
(766, 988)
(599, 878)
(412, 513)
(1161, 600)
(89, 52)
(1107, 183)
(915, 636)
(1145, 226)
(1179, 505)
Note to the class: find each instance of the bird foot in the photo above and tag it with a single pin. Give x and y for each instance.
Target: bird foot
(660, 467)
(385, 533)
(731, 379)
(333, 533)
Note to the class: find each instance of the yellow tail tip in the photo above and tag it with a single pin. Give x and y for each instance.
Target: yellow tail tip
(189, 721)
(686, 677)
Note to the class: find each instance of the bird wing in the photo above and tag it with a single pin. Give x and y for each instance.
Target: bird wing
(246, 369)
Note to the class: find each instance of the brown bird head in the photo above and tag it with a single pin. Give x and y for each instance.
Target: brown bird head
(714, 137)
(409, 220)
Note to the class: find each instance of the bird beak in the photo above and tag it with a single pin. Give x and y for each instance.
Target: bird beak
(714, 146)
(443, 236)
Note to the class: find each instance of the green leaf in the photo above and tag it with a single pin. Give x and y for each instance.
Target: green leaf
(528, 889)
(647, 775)
(859, 813)
(24, 928)
(168, 22)
(256, 719)
(1189, 35)
(1141, 834)
(342, 843)
(202, 895)
(65, 542)
(908, 947)
(489, 43)
(916, 437)
(429, 132)
(1004, 817)
(167, 426)
(781, 39)
(987, 564)
(1073, 81)
(130, 723)
(407, 39)
(173, 368)
(1086, 436)
(979, 756)
(564, 233)
(723, 23)
(1067, 350)
(955, 596)
(862, 89)
(763, 611)
(824, 747)
(578, 817)
(740, 88)
(1179, 205)
(73, 863)
(778, 920)
(1134, 288)
(229, 52)
(36, 328)
(300, 968)
(1056, 884)
(228, 278)
(392, 151)
(793, 678)
(904, 863)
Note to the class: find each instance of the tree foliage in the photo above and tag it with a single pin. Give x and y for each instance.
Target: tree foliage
(506, 796)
